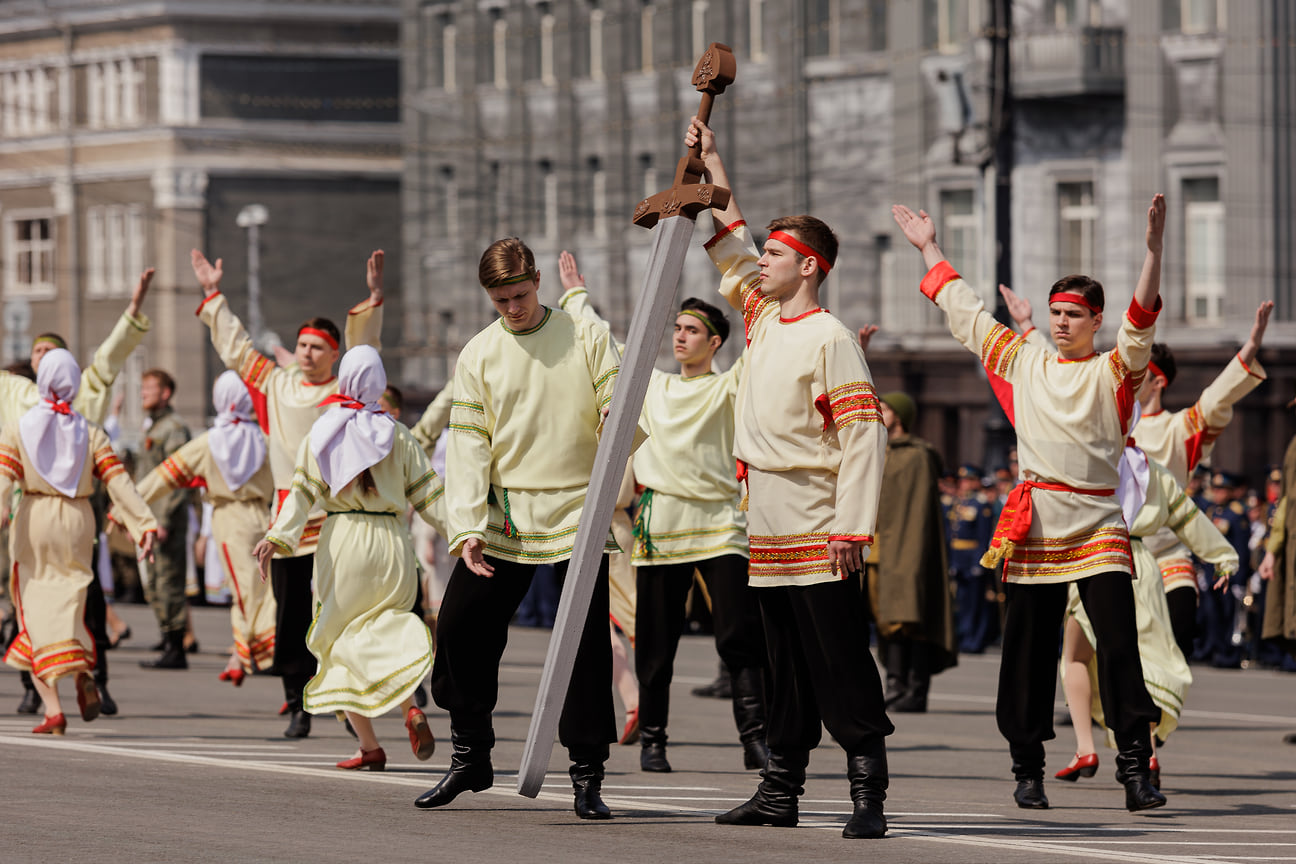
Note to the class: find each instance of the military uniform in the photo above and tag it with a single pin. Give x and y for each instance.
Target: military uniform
(971, 523)
(1217, 611)
(166, 433)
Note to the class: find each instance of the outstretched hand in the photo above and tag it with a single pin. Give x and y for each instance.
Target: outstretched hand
(865, 334)
(918, 227)
(1263, 311)
(1156, 218)
(474, 555)
(567, 271)
(140, 292)
(209, 275)
(1018, 306)
(374, 276)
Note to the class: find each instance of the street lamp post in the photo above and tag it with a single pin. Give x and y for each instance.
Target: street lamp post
(252, 217)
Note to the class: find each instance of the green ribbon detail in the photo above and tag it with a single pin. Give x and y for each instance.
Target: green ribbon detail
(641, 533)
(510, 529)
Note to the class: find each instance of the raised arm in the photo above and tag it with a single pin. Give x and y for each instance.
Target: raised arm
(364, 320)
(1148, 289)
(713, 171)
(1248, 353)
(93, 399)
(230, 340)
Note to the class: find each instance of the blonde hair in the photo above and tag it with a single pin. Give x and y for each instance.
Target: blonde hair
(504, 258)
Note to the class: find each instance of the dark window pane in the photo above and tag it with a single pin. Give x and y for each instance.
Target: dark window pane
(324, 89)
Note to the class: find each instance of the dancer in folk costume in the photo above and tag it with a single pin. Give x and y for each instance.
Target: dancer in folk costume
(364, 469)
(1151, 499)
(54, 456)
(229, 461)
(1063, 524)
(288, 402)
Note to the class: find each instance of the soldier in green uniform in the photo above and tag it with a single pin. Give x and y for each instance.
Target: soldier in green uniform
(164, 434)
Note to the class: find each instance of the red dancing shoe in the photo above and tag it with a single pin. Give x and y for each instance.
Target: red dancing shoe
(630, 734)
(235, 677)
(1081, 766)
(1154, 769)
(55, 725)
(87, 696)
(421, 740)
(374, 760)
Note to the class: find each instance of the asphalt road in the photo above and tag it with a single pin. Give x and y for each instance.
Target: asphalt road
(195, 770)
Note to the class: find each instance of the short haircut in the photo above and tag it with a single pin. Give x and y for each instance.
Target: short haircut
(1163, 357)
(57, 340)
(813, 233)
(395, 398)
(714, 315)
(163, 378)
(321, 324)
(505, 258)
(1086, 286)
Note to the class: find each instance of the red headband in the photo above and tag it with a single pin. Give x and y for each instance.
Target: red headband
(1156, 370)
(797, 245)
(1068, 297)
(332, 343)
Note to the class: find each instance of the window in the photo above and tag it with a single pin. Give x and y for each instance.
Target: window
(115, 238)
(438, 48)
(1077, 217)
(958, 215)
(30, 104)
(877, 18)
(1203, 249)
(450, 201)
(820, 30)
(1194, 16)
(700, 42)
(324, 89)
(598, 187)
(30, 254)
(115, 95)
(596, 43)
(951, 22)
(549, 197)
(649, 175)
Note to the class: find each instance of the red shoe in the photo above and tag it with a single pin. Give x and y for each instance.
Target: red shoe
(87, 697)
(55, 725)
(235, 677)
(421, 740)
(1081, 766)
(283, 709)
(1154, 768)
(630, 734)
(374, 760)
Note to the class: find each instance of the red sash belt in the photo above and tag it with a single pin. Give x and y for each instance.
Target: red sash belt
(1015, 518)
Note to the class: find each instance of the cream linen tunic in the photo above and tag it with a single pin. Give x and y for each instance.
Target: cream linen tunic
(807, 426)
(1071, 418)
(1165, 671)
(239, 520)
(690, 512)
(291, 403)
(372, 650)
(51, 540)
(523, 434)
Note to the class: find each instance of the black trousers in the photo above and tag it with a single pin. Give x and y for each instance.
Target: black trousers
(1183, 618)
(472, 631)
(662, 592)
(96, 620)
(290, 579)
(820, 667)
(1028, 670)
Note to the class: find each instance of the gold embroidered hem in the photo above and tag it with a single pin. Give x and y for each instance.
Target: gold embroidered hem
(1045, 560)
(519, 541)
(789, 524)
(674, 530)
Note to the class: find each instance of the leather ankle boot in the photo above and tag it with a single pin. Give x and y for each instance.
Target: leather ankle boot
(470, 768)
(1133, 769)
(652, 752)
(917, 679)
(173, 653)
(867, 771)
(775, 801)
(587, 784)
(31, 702)
(1028, 768)
(892, 655)
(749, 715)
(299, 722)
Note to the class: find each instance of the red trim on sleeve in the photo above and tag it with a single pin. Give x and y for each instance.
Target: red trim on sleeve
(852, 538)
(720, 235)
(1143, 318)
(1248, 369)
(198, 311)
(937, 278)
(363, 306)
(1029, 330)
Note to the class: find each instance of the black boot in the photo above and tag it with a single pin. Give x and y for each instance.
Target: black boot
(892, 655)
(173, 653)
(720, 688)
(1028, 768)
(470, 768)
(775, 801)
(107, 705)
(867, 771)
(1132, 761)
(749, 715)
(917, 678)
(31, 702)
(587, 783)
(652, 752)
(299, 721)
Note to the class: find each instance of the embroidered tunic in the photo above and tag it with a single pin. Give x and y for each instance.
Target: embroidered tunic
(689, 508)
(240, 518)
(807, 428)
(523, 433)
(18, 394)
(287, 404)
(1071, 417)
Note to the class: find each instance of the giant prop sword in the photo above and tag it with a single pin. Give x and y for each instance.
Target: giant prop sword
(675, 209)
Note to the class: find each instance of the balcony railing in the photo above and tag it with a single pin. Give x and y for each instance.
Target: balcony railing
(1077, 61)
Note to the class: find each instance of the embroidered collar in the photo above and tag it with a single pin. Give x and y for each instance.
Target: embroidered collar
(529, 331)
(803, 315)
(1062, 359)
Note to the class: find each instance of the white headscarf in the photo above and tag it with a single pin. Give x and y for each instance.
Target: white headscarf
(237, 443)
(1134, 475)
(355, 433)
(54, 436)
